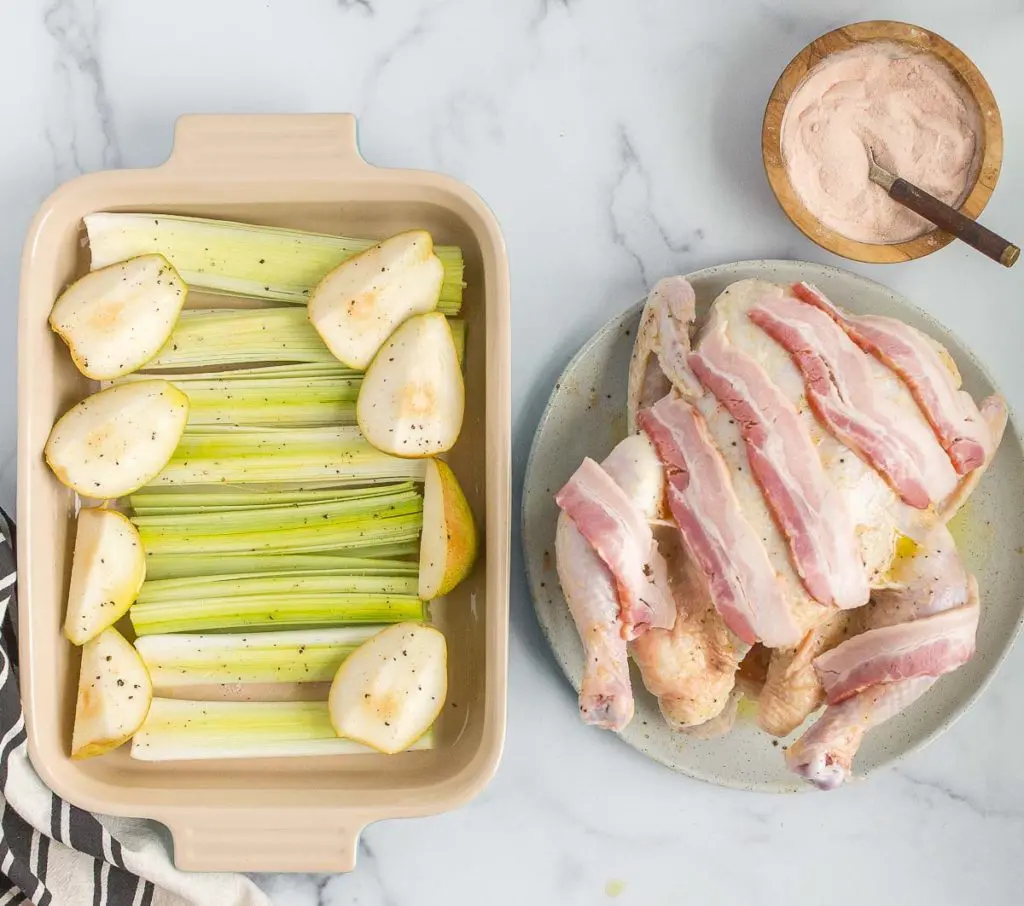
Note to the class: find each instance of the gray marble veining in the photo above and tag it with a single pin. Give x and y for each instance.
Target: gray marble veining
(616, 143)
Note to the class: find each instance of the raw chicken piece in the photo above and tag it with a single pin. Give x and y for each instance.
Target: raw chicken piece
(606, 698)
(691, 668)
(930, 581)
(792, 689)
(882, 426)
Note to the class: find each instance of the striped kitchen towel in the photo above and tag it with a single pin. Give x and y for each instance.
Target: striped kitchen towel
(52, 852)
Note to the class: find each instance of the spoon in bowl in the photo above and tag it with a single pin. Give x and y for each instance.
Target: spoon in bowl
(942, 215)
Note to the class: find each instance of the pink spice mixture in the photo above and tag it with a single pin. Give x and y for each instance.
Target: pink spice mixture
(909, 108)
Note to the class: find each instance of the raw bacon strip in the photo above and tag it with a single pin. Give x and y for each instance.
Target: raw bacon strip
(928, 646)
(803, 501)
(951, 412)
(842, 391)
(741, 581)
(616, 529)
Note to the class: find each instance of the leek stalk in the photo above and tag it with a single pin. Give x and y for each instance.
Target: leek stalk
(238, 336)
(379, 501)
(186, 500)
(277, 402)
(180, 730)
(228, 455)
(302, 656)
(402, 523)
(228, 336)
(272, 611)
(384, 515)
(294, 583)
(242, 259)
(300, 394)
(187, 566)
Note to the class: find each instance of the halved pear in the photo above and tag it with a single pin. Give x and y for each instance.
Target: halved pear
(107, 573)
(448, 545)
(389, 691)
(117, 440)
(358, 304)
(116, 319)
(412, 397)
(114, 695)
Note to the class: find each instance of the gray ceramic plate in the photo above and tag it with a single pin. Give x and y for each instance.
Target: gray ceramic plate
(586, 417)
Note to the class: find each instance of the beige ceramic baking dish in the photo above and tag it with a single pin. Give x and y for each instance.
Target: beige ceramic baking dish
(269, 814)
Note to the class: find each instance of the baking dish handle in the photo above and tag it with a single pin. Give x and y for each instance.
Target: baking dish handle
(241, 146)
(304, 840)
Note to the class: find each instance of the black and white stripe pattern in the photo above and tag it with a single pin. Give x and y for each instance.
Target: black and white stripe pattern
(53, 852)
(24, 850)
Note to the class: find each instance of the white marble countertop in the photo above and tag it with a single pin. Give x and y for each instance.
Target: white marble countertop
(617, 142)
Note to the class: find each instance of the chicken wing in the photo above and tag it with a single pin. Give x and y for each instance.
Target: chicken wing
(662, 343)
(792, 689)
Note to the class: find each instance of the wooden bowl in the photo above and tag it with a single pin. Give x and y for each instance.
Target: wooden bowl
(916, 39)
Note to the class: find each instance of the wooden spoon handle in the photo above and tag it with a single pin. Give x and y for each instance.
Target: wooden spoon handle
(952, 221)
